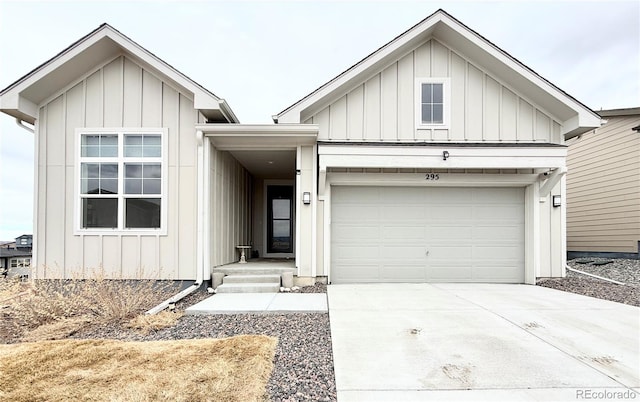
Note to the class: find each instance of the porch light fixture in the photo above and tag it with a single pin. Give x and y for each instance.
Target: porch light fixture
(445, 155)
(306, 198)
(557, 200)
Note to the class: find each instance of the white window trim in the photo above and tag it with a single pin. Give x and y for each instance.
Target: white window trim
(446, 100)
(164, 160)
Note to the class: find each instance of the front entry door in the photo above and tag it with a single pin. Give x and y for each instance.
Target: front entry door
(279, 219)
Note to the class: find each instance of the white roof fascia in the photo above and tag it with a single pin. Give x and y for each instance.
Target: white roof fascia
(292, 114)
(10, 98)
(585, 121)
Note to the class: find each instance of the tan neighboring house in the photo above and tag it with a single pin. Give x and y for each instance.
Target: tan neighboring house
(437, 158)
(603, 188)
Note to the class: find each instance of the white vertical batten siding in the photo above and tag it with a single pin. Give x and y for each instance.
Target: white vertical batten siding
(464, 112)
(297, 198)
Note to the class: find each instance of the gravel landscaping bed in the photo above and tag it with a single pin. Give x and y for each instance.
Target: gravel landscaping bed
(303, 364)
(621, 270)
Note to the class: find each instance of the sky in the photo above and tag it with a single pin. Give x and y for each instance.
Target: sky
(263, 56)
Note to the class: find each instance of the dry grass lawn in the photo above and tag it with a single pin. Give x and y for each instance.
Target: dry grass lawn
(231, 369)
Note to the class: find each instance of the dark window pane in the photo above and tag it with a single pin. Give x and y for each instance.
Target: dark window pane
(99, 213)
(152, 151)
(133, 171)
(437, 93)
(426, 93)
(142, 213)
(281, 228)
(437, 114)
(90, 170)
(426, 114)
(133, 186)
(90, 186)
(108, 186)
(151, 171)
(131, 139)
(152, 186)
(108, 170)
(281, 209)
(150, 140)
(90, 140)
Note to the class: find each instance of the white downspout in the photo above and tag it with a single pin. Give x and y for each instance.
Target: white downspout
(200, 266)
(592, 275)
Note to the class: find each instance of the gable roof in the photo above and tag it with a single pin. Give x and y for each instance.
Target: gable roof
(574, 116)
(22, 98)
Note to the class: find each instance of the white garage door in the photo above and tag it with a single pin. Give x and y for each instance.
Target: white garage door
(426, 234)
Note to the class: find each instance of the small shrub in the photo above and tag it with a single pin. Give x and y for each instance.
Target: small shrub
(147, 323)
(56, 306)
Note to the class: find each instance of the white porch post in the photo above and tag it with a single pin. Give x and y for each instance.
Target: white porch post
(200, 221)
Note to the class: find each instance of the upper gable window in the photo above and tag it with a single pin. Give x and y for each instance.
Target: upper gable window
(432, 102)
(121, 180)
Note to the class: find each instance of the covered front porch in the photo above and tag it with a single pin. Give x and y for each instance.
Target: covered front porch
(258, 190)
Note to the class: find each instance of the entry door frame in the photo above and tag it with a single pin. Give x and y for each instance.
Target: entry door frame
(265, 214)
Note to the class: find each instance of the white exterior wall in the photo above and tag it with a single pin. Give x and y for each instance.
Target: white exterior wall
(305, 213)
(118, 94)
(230, 194)
(482, 109)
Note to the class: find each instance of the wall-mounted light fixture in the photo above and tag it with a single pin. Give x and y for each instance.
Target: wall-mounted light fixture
(445, 155)
(298, 172)
(557, 200)
(306, 198)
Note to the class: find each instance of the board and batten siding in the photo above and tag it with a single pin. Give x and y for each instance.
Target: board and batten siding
(482, 109)
(603, 188)
(230, 187)
(117, 94)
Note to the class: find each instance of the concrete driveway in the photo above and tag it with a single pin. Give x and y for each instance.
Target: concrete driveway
(414, 342)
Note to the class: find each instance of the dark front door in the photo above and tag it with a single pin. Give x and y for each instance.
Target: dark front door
(279, 219)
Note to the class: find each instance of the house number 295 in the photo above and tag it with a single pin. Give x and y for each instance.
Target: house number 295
(432, 176)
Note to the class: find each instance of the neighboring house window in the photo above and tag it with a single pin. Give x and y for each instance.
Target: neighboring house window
(432, 102)
(20, 262)
(122, 180)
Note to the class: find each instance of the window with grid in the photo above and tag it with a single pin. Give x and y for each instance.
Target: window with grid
(121, 180)
(431, 102)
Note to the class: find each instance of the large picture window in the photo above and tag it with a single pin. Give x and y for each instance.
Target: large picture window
(121, 180)
(431, 102)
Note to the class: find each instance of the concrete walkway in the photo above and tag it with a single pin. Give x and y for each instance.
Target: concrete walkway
(233, 303)
(415, 342)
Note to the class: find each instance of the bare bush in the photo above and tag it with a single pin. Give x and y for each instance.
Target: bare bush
(59, 306)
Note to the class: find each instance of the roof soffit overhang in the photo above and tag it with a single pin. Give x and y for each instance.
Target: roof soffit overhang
(259, 137)
(574, 117)
(22, 98)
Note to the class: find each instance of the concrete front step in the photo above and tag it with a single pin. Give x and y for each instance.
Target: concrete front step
(255, 270)
(248, 287)
(252, 279)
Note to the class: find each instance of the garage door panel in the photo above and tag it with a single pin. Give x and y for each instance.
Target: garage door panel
(353, 252)
(449, 274)
(405, 253)
(408, 195)
(493, 253)
(504, 233)
(362, 213)
(403, 273)
(403, 233)
(404, 213)
(471, 234)
(452, 212)
(445, 195)
(499, 213)
(498, 274)
(440, 233)
(346, 232)
(451, 252)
